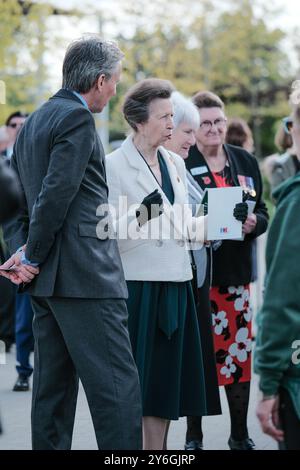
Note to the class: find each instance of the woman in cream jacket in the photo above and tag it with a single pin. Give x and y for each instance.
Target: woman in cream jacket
(154, 246)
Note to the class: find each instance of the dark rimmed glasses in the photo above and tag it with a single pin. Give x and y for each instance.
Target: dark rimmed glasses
(220, 123)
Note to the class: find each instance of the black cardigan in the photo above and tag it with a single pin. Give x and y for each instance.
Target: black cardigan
(232, 261)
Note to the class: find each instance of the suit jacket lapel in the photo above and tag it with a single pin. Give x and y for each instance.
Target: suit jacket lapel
(194, 189)
(232, 165)
(144, 176)
(148, 182)
(196, 160)
(180, 192)
(177, 183)
(206, 180)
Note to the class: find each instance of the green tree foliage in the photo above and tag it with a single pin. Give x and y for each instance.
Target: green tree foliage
(162, 53)
(249, 70)
(225, 46)
(233, 53)
(23, 42)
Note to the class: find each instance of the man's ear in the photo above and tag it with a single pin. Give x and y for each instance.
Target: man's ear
(100, 82)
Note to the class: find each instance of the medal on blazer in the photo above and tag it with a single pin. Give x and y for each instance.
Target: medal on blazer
(247, 183)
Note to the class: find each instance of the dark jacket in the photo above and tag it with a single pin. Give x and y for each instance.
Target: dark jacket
(10, 197)
(9, 204)
(59, 160)
(232, 261)
(278, 337)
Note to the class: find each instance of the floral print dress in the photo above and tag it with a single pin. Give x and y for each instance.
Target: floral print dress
(231, 315)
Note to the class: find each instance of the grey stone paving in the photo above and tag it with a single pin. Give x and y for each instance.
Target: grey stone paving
(15, 412)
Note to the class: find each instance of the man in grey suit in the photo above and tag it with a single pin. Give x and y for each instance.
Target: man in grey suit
(78, 296)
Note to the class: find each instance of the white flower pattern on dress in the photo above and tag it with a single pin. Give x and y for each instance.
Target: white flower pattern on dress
(242, 346)
(238, 290)
(229, 367)
(248, 314)
(243, 304)
(220, 322)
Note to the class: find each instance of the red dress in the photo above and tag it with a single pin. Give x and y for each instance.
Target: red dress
(231, 314)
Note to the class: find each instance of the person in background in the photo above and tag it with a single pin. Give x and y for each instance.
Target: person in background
(8, 209)
(281, 166)
(186, 123)
(10, 200)
(23, 313)
(7, 300)
(24, 341)
(10, 194)
(13, 124)
(213, 163)
(4, 140)
(163, 323)
(239, 134)
(277, 352)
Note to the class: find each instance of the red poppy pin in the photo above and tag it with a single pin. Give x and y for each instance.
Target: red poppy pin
(206, 179)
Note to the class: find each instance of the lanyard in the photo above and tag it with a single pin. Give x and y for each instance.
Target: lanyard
(158, 155)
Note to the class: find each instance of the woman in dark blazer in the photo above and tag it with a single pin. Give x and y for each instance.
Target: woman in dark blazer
(213, 164)
(9, 192)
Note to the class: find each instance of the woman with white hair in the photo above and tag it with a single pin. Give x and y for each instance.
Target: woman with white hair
(186, 121)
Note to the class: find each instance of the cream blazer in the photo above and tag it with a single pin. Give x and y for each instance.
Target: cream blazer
(158, 251)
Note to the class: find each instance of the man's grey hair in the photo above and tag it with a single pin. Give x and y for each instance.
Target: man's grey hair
(184, 111)
(86, 59)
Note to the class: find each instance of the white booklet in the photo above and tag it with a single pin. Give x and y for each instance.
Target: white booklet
(221, 224)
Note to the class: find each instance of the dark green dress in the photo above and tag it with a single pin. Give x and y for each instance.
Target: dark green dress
(165, 341)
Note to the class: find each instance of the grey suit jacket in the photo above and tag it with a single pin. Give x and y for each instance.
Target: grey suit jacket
(200, 256)
(60, 163)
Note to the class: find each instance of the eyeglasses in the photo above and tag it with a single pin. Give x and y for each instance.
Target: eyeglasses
(288, 124)
(207, 125)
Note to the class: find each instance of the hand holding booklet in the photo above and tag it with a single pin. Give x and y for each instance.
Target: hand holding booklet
(251, 207)
(221, 223)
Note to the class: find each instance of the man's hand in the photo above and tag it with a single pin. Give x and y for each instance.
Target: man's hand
(267, 413)
(250, 224)
(21, 273)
